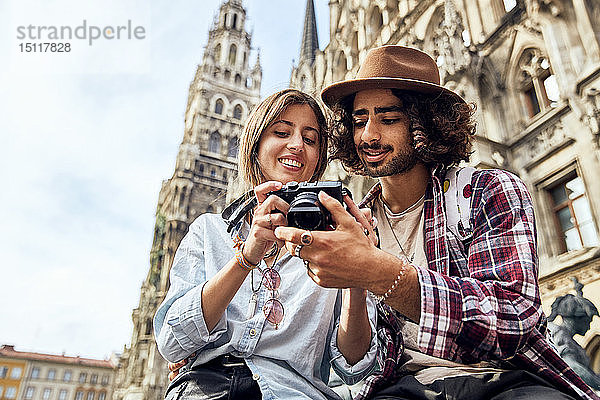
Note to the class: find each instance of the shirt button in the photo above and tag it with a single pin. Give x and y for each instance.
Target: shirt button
(255, 377)
(252, 332)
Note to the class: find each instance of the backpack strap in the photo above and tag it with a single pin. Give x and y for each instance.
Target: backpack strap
(457, 194)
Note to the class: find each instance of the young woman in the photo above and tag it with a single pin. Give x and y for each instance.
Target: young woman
(244, 312)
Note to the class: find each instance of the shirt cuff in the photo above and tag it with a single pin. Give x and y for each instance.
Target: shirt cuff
(187, 322)
(352, 374)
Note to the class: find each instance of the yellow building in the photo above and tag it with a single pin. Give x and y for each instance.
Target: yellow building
(11, 375)
(36, 376)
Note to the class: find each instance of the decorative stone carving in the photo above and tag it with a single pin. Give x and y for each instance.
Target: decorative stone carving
(452, 55)
(577, 313)
(541, 143)
(591, 115)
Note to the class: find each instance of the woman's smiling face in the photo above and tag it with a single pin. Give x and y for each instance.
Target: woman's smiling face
(288, 150)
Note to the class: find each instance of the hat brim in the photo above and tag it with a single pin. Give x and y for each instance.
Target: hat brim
(337, 91)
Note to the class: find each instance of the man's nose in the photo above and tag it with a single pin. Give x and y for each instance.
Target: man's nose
(370, 133)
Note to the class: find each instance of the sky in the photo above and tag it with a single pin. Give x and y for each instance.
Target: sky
(87, 137)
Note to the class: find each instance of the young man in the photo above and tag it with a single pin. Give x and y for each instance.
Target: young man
(456, 280)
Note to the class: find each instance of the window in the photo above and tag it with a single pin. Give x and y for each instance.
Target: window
(213, 173)
(232, 54)
(11, 392)
(47, 394)
(82, 377)
(94, 377)
(79, 395)
(105, 379)
(509, 5)
(3, 372)
(16, 373)
(214, 143)
(67, 376)
(29, 393)
(572, 214)
(232, 147)
(237, 112)
(219, 106)
(234, 21)
(35, 373)
(102, 396)
(538, 85)
(237, 79)
(217, 52)
(1, 391)
(51, 374)
(90, 396)
(62, 395)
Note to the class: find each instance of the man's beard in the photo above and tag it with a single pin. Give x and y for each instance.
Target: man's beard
(402, 162)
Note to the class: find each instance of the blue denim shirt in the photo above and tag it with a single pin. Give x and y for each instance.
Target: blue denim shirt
(290, 362)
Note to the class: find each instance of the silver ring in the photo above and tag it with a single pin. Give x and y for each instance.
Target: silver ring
(306, 238)
(297, 250)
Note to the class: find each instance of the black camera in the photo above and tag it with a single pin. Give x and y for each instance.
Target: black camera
(306, 211)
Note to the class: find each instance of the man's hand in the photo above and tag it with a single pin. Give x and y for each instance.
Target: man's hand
(341, 258)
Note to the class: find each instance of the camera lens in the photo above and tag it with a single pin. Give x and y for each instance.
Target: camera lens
(306, 212)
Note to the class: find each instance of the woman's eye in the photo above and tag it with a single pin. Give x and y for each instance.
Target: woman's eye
(281, 134)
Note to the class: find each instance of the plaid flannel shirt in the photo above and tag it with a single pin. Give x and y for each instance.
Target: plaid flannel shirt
(480, 301)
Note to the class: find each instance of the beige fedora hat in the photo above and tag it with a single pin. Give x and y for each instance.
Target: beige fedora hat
(391, 67)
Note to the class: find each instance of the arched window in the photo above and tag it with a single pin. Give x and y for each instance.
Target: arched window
(232, 147)
(225, 176)
(225, 20)
(219, 106)
(200, 169)
(538, 86)
(238, 79)
(234, 25)
(227, 75)
(213, 173)
(249, 82)
(232, 54)
(237, 112)
(217, 53)
(214, 144)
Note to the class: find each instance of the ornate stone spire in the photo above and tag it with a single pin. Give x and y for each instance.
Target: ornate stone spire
(310, 40)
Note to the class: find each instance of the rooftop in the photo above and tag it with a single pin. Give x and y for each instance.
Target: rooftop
(9, 351)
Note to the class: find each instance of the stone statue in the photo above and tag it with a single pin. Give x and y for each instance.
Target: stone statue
(577, 313)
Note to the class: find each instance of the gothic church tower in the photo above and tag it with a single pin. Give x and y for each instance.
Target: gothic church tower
(225, 88)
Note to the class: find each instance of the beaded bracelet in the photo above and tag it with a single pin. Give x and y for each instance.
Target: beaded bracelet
(242, 260)
(387, 294)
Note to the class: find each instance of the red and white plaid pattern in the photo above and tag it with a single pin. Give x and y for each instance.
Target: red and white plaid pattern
(480, 300)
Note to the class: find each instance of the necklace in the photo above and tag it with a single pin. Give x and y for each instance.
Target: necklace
(409, 209)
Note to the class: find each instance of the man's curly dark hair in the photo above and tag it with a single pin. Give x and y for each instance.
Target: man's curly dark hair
(441, 129)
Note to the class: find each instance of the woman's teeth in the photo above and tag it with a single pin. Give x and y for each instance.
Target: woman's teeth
(291, 163)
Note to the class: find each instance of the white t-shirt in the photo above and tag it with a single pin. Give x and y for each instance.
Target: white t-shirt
(402, 235)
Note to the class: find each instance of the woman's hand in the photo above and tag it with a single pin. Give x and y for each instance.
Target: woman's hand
(270, 213)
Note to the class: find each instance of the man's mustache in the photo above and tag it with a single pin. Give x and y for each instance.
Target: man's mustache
(376, 146)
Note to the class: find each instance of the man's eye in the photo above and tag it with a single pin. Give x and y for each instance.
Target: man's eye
(389, 121)
(359, 123)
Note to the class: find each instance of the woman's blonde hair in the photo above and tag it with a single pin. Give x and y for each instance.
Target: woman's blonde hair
(259, 120)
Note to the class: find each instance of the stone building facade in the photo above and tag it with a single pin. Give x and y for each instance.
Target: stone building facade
(224, 89)
(533, 69)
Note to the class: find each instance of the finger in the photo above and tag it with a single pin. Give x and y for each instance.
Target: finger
(340, 216)
(367, 213)
(261, 191)
(360, 214)
(272, 204)
(289, 234)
